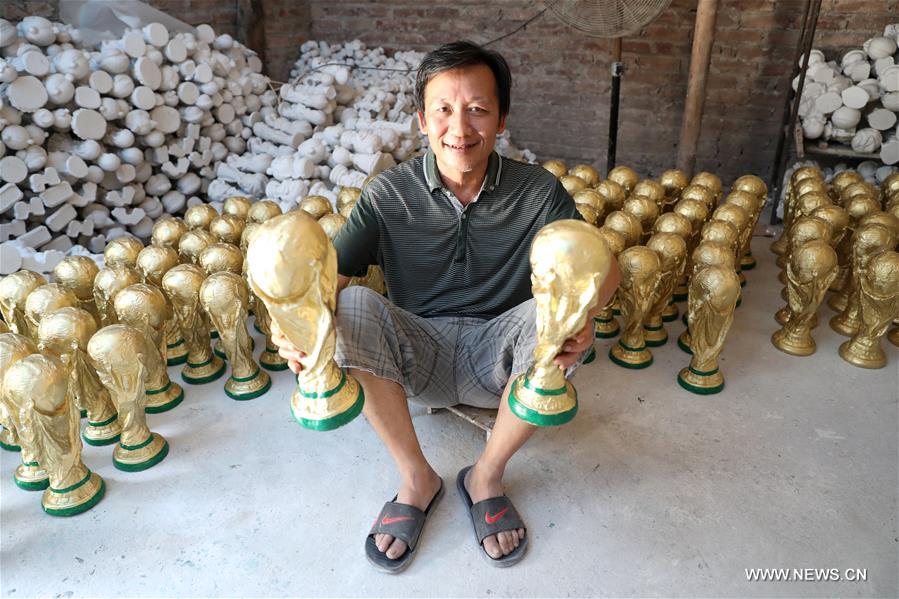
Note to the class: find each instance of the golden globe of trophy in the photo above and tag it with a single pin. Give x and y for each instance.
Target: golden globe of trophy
(572, 184)
(167, 232)
(697, 213)
(263, 210)
(724, 232)
(347, 209)
(109, 281)
(678, 224)
(713, 297)
(43, 300)
(860, 189)
(640, 277)
(673, 182)
(604, 324)
(182, 286)
(42, 381)
(613, 194)
(881, 217)
(316, 206)
(844, 179)
(16, 416)
(556, 167)
(646, 212)
(857, 208)
(804, 206)
(868, 241)
(221, 257)
(345, 197)
(837, 218)
(227, 228)
(153, 262)
(588, 213)
(145, 308)
(586, 172)
(118, 353)
(200, 216)
(707, 253)
(14, 290)
(878, 307)
(624, 176)
(64, 334)
(331, 224)
(751, 184)
(672, 251)
(701, 193)
(780, 244)
(225, 297)
(292, 268)
(804, 229)
(569, 262)
(627, 224)
(122, 250)
(78, 274)
(752, 205)
(592, 198)
(192, 243)
(740, 219)
(238, 206)
(710, 181)
(811, 270)
(652, 190)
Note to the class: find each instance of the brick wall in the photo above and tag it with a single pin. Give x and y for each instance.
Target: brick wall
(560, 99)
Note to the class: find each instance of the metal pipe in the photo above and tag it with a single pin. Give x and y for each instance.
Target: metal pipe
(617, 71)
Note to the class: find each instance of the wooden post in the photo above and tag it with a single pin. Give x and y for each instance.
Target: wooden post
(703, 36)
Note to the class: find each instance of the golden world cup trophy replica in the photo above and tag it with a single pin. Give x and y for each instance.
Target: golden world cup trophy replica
(182, 286)
(263, 210)
(109, 281)
(556, 167)
(228, 228)
(225, 298)
(646, 211)
(672, 251)
(857, 208)
(586, 172)
(316, 206)
(238, 206)
(878, 305)
(193, 243)
(269, 358)
(569, 263)
(64, 334)
(624, 176)
(612, 193)
(710, 181)
(118, 353)
(145, 308)
(652, 190)
(803, 173)
(78, 274)
(42, 381)
(741, 220)
(594, 199)
(804, 229)
(200, 216)
(292, 269)
(805, 205)
(697, 213)
(640, 277)
(811, 270)
(222, 257)
(122, 250)
(754, 186)
(167, 232)
(572, 184)
(44, 300)
(153, 262)
(707, 253)
(868, 241)
(604, 324)
(843, 180)
(672, 222)
(673, 181)
(14, 290)
(16, 413)
(713, 297)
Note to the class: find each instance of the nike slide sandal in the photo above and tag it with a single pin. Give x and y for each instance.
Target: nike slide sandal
(492, 516)
(401, 521)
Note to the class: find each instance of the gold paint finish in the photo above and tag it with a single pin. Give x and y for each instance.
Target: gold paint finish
(153, 262)
(572, 184)
(586, 172)
(646, 211)
(193, 243)
(710, 181)
(751, 184)
(122, 250)
(347, 196)
(221, 257)
(238, 206)
(200, 216)
(556, 167)
(640, 278)
(592, 198)
(624, 176)
(78, 274)
(167, 232)
(878, 307)
(109, 281)
(14, 290)
(650, 189)
(263, 210)
(44, 300)
(227, 228)
(331, 224)
(694, 191)
(673, 182)
(613, 194)
(672, 251)
(672, 222)
(627, 224)
(316, 206)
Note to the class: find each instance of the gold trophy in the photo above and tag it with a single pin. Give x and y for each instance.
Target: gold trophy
(857, 208)
(192, 243)
(182, 286)
(263, 210)
(316, 206)
(118, 353)
(78, 274)
(586, 172)
(713, 297)
(109, 281)
(64, 334)
(612, 194)
(672, 251)
(122, 250)
(145, 308)
(842, 180)
(810, 271)
(740, 219)
(878, 306)
(696, 212)
(724, 232)
(14, 290)
(804, 229)
(225, 297)
(804, 206)
(227, 228)
(167, 232)
(640, 278)
(624, 176)
(16, 416)
(868, 241)
(803, 173)
(44, 300)
(646, 211)
(238, 206)
(673, 181)
(604, 324)
(707, 253)
(153, 262)
(569, 262)
(700, 193)
(556, 167)
(752, 205)
(41, 380)
(269, 359)
(710, 181)
(222, 257)
(652, 190)
(292, 268)
(627, 224)
(672, 222)
(200, 216)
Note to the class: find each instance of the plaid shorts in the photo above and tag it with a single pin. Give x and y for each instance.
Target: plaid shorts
(440, 361)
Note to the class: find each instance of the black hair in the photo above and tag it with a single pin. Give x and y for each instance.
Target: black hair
(462, 54)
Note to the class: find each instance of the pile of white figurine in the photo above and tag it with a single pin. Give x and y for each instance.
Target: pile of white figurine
(100, 141)
(856, 100)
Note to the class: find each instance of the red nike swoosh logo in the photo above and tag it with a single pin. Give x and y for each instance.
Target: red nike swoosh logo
(385, 520)
(492, 519)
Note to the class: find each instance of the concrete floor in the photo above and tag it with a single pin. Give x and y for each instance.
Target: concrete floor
(649, 491)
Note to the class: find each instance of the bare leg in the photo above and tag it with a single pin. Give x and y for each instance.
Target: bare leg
(485, 480)
(387, 409)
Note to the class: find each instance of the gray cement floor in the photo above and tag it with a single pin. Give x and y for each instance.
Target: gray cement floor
(649, 491)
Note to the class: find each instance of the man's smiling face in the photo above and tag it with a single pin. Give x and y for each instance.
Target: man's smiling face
(461, 119)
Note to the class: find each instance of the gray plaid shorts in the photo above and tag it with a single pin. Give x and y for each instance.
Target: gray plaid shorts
(440, 361)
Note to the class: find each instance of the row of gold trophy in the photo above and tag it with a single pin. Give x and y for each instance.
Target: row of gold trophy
(840, 237)
(674, 239)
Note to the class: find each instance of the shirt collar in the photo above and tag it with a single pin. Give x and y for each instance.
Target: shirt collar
(491, 180)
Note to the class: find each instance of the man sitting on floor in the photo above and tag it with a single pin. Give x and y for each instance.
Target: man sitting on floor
(452, 231)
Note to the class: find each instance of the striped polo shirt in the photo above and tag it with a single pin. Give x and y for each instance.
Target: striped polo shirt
(440, 258)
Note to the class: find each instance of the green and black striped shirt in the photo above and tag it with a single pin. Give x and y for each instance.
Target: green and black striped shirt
(443, 259)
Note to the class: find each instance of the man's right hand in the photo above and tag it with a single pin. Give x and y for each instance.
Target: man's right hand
(288, 351)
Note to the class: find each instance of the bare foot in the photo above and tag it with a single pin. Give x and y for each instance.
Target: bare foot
(418, 492)
(481, 486)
